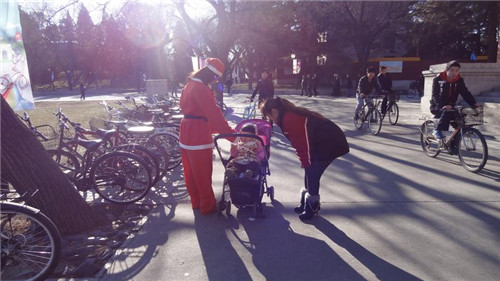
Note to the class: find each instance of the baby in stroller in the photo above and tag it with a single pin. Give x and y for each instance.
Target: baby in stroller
(247, 153)
(247, 167)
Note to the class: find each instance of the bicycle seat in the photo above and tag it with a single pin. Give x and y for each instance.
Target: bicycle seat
(155, 111)
(89, 144)
(141, 130)
(145, 123)
(117, 122)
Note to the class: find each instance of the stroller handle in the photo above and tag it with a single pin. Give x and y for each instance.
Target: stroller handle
(225, 136)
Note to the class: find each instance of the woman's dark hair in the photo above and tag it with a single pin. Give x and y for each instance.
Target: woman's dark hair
(249, 128)
(370, 69)
(205, 75)
(283, 105)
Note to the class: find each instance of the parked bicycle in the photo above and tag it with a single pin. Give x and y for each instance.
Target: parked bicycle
(46, 134)
(30, 241)
(117, 176)
(371, 114)
(164, 134)
(466, 141)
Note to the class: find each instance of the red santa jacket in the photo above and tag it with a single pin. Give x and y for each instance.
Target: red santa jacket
(198, 102)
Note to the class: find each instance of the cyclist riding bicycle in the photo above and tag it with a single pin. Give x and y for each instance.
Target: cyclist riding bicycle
(445, 90)
(265, 87)
(367, 84)
(385, 83)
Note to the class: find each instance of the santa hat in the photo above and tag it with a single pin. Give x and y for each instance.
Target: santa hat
(215, 65)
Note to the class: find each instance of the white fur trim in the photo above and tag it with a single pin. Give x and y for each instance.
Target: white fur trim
(214, 70)
(196, 147)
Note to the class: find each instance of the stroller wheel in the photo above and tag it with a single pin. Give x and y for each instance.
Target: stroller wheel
(270, 193)
(228, 208)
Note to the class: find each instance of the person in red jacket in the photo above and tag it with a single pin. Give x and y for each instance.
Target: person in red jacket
(202, 118)
(317, 142)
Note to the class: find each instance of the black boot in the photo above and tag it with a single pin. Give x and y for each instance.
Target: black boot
(311, 207)
(300, 209)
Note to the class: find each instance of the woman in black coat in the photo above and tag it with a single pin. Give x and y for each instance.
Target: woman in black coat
(317, 142)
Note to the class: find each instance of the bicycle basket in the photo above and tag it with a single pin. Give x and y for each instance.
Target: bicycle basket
(473, 116)
(47, 136)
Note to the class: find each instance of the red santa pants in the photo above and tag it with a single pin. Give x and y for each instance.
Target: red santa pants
(197, 166)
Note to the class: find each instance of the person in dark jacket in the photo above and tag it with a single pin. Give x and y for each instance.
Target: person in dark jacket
(348, 84)
(367, 84)
(229, 83)
(336, 85)
(82, 91)
(317, 142)
(313, 85)
(265, 87)
(385, 83)
(445, 90)
(305, 85)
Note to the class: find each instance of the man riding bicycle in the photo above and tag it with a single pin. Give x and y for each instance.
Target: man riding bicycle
(445, 90)
(385, 82)
(366, 85)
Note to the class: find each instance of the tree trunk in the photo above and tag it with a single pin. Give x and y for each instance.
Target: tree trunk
(26, 166)
(491, 31)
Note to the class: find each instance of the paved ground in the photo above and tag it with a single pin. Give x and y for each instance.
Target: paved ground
(389, 212)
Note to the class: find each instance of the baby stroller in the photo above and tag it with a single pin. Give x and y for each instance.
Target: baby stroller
(245, 192)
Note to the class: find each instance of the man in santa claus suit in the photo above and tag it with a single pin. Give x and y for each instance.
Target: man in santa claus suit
(202, 118)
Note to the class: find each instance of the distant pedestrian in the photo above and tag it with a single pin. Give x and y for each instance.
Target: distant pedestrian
(336, 85)
(229, 83)
(82, 91)
(473, 56)
(305, 85)
(265, 87)
(348, 83)
(313, 85)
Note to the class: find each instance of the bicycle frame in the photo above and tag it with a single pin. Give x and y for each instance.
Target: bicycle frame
(459, 128)
(251, 109)
(370, 105)
(72, 146)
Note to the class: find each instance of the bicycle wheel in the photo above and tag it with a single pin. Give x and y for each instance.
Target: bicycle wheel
(31, 243)
(67, 162)
(120, 177)
(170, 143)
(149, 157)
(162, 156)
(430, 145)
(374, 121)
(117, 139)
(472, 149)
(358, 122)
(393, 114)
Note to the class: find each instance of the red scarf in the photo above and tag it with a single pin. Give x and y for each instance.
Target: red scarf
(444, 76)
